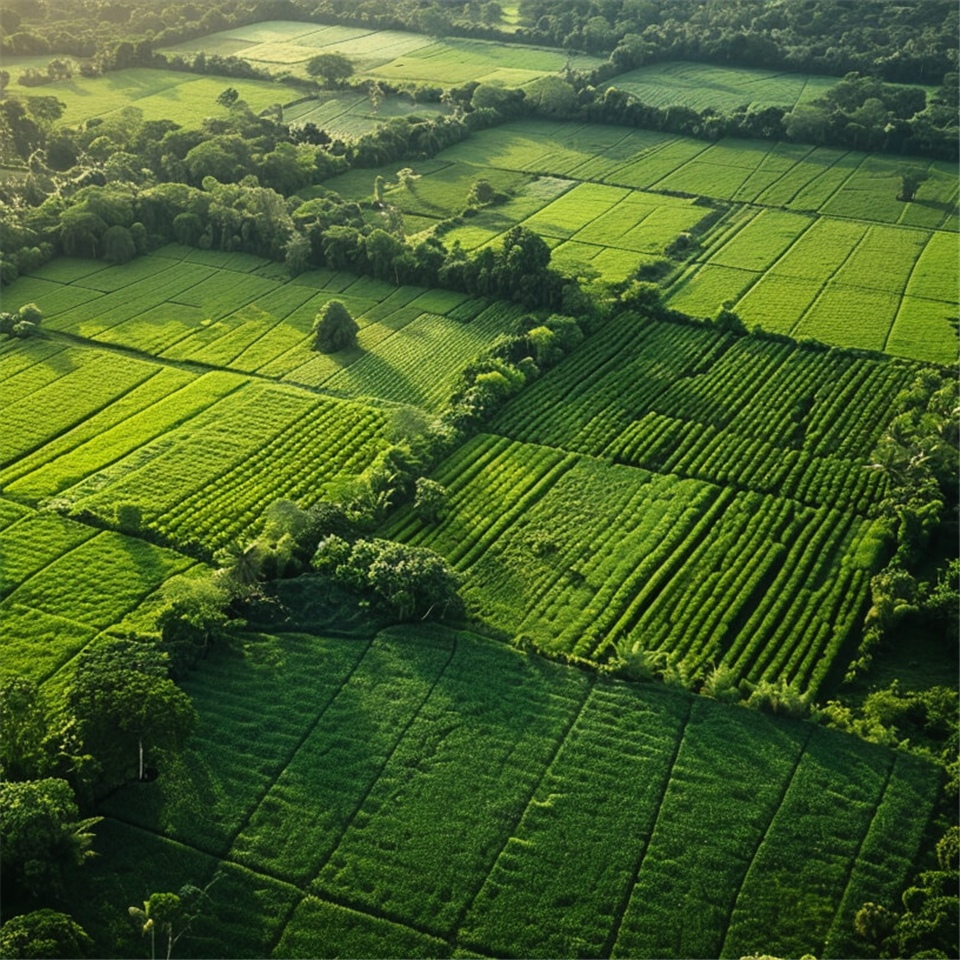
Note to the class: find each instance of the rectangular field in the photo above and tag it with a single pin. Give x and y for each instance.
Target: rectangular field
(591, 558)
(398, 807)
(698, 86)
(238, 312)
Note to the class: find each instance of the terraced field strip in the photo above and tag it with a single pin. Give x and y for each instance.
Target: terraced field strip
(212, 478)
(34, 407)
(542, 813)
(169, 400)
(538, 900)
(466, 765)
(762, 415)
(699, 86)
(109, 574)
(834, 182)
(687, 880)
(219, 782)
(799, 823)
(231, 310)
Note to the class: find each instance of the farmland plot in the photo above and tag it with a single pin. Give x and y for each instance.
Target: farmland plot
(234, 311)
(838, 281)
(395, 55)
(434, 814)
(699, 86)
(109, 577)
(585, 557)
(766, 416)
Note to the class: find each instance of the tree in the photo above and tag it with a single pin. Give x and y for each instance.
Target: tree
(118, 245)
(910, 181)
(41, 833)
(159, 913)
(228, 97)
(26, 322)
(23, 721)
(430, 500)
(44, 935)
(334, 329)
(126, 706)
(239, 567)
(332, 68)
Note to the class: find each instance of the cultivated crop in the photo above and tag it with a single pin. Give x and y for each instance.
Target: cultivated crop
(403, 807)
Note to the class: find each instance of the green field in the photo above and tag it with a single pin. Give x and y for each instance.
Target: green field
(393, 55)
(242, 313)
(200, 455)
(700, 85)
(589, 227)
(161, 94)
(839, 281)
(749, 543)
(109, 577)
(393, 804)
(813, 244)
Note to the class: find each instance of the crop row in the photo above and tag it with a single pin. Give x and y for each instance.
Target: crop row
(584, 557)
(323, 442)
(213, 479)
(165, 402)
(702, 404)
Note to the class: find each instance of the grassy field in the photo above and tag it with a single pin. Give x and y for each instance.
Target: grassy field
(590, 227)
(852, 283)
(700, 85)
(109, 577)
(395, 806)
(243, 313)
(159, 94)
(813, 244)
(201, 455)
(393, 55)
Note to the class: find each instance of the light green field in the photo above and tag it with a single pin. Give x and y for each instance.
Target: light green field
(839, 281)
(109, 577)
(699, 85)
(375, 798)
(394, 55)
(242, 313)
(159, 94)
(201, 455)
(589, 227)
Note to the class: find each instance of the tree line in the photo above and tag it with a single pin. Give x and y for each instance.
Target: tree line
(911, 42)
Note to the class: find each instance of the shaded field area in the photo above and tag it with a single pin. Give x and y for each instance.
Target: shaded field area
(110, 577)
(395, 806)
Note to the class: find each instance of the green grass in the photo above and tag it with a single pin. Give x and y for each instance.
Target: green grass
(724, 89)
(236, 312)
(583, 556)
(405, 808)
(396, 55)
(109, 576)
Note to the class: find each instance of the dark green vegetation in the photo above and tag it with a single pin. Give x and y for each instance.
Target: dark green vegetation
(510, 347)
(393, 802)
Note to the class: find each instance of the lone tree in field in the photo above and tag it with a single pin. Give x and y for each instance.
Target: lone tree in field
(334, 329)
(910, 181)
(332, 68)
